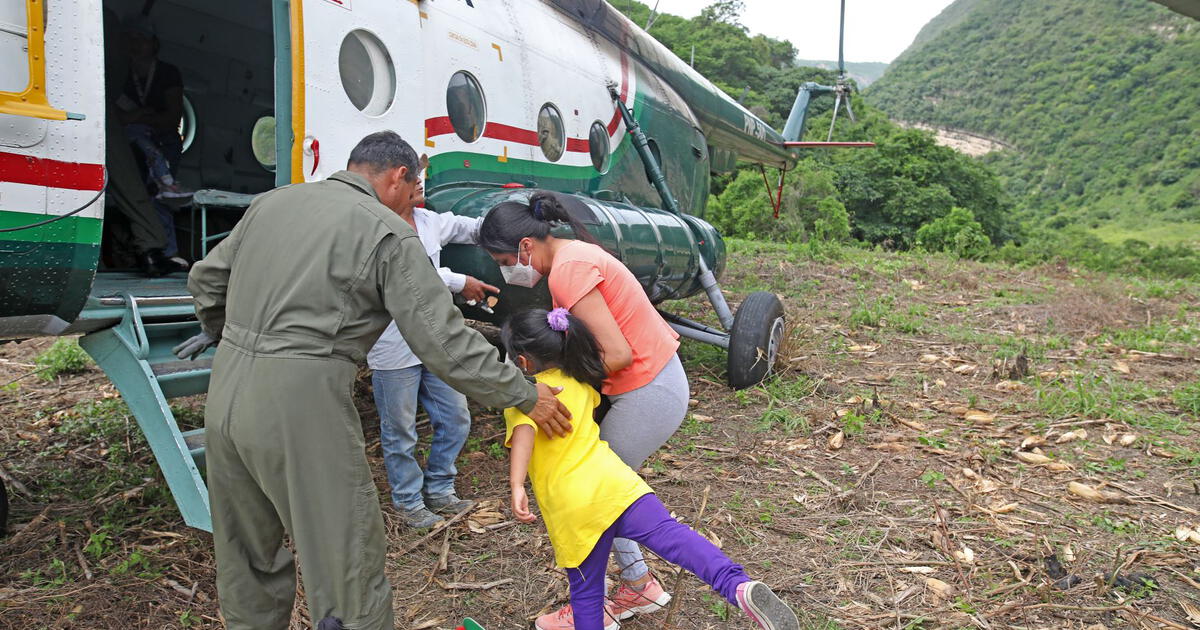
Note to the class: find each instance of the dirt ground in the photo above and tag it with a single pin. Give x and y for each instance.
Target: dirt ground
(947, 445)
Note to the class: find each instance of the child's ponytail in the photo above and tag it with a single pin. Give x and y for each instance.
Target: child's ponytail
(556, 339)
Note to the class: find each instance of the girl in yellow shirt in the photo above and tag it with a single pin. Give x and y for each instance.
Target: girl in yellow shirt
(588, 495)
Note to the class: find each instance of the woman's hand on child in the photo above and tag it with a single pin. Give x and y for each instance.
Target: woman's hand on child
(520, 505)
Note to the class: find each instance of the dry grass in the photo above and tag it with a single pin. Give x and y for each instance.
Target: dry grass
(911, 361)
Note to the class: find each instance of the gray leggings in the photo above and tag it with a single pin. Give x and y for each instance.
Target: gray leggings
(637, 424)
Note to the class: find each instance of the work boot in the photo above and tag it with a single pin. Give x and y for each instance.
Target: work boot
(633, 600)
(762, 605)
(447, 504)
(419, 518)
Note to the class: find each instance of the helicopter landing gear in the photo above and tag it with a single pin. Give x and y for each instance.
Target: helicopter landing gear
(3, 509)
(754, 339)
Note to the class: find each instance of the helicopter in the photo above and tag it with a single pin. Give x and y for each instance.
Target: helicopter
(506, 97)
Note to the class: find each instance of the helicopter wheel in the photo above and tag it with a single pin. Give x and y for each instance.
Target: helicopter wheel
(3, 509)
(755, 339)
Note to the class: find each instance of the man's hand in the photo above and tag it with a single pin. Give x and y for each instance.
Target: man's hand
(551, 416)
(520, 505)
(476, 290)
(195, 346)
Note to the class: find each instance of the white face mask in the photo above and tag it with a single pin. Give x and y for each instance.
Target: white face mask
(521, 274)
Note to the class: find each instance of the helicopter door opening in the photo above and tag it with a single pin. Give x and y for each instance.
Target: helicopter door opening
(218, 153)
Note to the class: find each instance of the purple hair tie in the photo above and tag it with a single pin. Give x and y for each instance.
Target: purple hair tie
(557, 319)
(537, 210)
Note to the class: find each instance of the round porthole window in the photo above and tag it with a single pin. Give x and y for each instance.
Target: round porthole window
(551, 132)
(187, 124)
(367, 73)
(598, 146)
(465, 104)
(262, 142)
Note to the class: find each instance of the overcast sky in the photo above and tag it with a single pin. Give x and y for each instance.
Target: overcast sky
(876, 30)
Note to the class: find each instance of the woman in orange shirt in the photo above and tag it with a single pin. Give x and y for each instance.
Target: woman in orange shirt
(646, 384)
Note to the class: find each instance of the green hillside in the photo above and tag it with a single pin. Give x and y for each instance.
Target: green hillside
(1100, 98)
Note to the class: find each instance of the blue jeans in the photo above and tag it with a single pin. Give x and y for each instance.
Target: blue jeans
(397, 393)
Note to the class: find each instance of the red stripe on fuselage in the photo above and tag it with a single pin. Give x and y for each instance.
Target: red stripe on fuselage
(616, 118)
(441, 126)
(26, 169)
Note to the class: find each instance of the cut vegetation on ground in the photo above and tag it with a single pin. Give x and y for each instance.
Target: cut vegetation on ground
(948, 445)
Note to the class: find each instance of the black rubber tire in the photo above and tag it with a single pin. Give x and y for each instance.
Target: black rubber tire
(752, 348)
(3, 509)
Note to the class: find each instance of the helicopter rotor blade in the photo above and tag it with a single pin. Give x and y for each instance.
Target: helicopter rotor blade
(841, 41)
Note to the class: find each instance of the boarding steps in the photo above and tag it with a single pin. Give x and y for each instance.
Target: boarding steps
(136, 356)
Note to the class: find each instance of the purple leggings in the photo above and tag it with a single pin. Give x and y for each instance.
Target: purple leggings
(648, 522)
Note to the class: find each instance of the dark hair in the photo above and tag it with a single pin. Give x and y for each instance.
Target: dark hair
(574, 351)
(383, 151)
(509, 222)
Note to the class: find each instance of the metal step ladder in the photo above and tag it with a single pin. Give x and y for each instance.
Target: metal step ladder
(136, 356)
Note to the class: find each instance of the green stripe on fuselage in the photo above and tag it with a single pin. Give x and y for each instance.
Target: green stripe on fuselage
(46, 270)
(84, 230)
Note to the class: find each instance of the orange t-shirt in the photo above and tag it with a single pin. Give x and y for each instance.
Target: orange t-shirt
(580, 267)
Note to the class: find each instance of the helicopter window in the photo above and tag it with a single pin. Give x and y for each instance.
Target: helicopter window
(598, 146)
(368, 76)
(187, 124)
(14, 47)
(551, 132)
(465, 104)
(262, 142)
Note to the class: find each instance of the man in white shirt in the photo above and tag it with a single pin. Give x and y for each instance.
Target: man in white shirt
(400, 381)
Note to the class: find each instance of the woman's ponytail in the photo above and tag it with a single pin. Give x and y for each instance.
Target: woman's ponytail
(548, 206)
(509, 222)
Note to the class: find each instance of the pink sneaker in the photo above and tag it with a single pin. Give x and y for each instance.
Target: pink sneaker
(762, 605)
(564, 619)
(627, 601)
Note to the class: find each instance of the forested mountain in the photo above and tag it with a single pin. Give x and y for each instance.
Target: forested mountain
(879, 196)
(1099, 98)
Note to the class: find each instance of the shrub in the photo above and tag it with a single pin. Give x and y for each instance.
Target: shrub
(63, 357)
(958, 232)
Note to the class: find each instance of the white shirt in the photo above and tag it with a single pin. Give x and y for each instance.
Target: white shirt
(435, 230)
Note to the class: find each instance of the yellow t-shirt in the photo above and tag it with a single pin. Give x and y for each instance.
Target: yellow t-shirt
(580, 483)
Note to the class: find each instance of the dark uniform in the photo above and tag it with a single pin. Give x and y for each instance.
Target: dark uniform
(298, 293)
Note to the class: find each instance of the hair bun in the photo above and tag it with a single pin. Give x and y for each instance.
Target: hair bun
(558, 320)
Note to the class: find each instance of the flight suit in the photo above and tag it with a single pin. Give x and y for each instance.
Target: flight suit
(298, 293)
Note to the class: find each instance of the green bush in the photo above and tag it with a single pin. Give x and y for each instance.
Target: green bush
(958, 232)
(810, 208)
(63, 357)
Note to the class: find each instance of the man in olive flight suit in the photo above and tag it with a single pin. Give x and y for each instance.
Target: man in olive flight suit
(296, 296)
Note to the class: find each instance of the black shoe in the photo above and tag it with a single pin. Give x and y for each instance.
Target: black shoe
(154, 263)
(150, 262)
(175, 264)
(330, 623)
